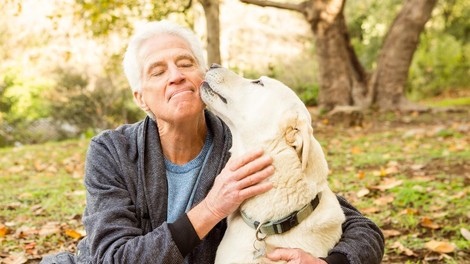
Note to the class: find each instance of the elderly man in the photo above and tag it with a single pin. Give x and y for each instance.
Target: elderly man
(159, 191)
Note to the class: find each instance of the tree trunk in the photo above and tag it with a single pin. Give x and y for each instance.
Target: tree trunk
(389, 79)
(211, 10)
(342, 79)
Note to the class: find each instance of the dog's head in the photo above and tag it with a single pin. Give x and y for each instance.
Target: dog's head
(263, 113)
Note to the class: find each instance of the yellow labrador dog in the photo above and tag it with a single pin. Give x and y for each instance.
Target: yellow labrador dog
(300, 211)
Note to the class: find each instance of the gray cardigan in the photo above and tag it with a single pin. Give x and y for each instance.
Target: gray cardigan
(125, 216)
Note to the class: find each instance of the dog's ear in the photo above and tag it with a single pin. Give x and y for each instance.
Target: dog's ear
(298, 136)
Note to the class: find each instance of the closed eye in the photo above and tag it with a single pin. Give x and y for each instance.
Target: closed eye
(258, 82)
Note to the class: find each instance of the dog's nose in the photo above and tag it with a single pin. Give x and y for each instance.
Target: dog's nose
(215, 66)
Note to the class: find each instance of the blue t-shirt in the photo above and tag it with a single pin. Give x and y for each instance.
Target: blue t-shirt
(182, 181)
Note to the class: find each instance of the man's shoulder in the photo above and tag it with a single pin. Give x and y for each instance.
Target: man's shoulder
(124, 134)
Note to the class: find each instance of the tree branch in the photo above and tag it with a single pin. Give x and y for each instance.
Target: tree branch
(288, 6)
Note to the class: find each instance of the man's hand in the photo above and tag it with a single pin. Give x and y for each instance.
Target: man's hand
(239, 180)
(294, 256)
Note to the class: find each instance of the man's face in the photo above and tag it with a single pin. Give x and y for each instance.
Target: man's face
(170, 79)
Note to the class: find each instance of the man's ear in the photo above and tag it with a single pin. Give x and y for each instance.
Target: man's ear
(298, 136)
(139, 100)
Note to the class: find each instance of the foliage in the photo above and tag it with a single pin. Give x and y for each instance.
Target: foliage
(103, 103)
(104, 17)
(442, 60)
(21, 104)
(440, 63)
(408, 173)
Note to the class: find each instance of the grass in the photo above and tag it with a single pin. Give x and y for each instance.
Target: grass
(450, 102)
(412, 167)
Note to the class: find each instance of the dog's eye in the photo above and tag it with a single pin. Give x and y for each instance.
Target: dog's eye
(258, 82)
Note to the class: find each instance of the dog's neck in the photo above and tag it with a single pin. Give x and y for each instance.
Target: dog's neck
(292, 189)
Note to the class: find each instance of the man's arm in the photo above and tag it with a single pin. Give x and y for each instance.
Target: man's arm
(361, 242)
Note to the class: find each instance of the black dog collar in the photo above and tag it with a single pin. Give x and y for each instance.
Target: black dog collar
(286, 223)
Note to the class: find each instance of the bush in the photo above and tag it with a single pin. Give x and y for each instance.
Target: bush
(439, 64)
(21, 104)
(96, 105)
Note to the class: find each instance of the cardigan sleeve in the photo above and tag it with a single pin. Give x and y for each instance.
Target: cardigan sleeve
(114, 231)
(361, 241)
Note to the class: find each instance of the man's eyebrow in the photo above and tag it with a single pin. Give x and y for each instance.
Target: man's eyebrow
(185, 57)
(154, 65)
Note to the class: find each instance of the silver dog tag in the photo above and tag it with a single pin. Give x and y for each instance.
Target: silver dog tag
(260, 250)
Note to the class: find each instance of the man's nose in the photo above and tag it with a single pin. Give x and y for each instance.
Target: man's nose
(176, 75)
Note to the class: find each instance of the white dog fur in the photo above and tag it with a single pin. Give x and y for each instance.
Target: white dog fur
(266, 113)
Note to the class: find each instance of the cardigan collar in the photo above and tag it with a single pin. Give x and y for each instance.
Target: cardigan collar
(152, 171)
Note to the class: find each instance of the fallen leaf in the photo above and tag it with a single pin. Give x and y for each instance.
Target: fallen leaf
(383, 200)
(370, 210)
(16, 169)
(440, 246)
(416, 167)
(388, 184)
(391, 233)
(3, 230)
(428, 223)
(408, 211)
(363, 192)
(355, 150)
(402, 249)
(25, 231)
(13, 206)
(459, 195)
(39, 166)
(73, 234)
(49, 228)
(15, 258)
(361, 175)
(465, 233)
(391, 170)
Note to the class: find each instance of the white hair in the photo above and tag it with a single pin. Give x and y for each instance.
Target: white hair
(131, 63)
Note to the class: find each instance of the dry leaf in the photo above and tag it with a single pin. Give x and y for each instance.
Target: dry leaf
(370, 210)
(383, 200)
(49, 228)
(355, 150)
(15, 258)
(361, 175)
(416, 167)
(408, 211)
(3, 230)
(387, 184)
(391, 233)
(73, 234)
(391, 170)
(363, 192)
(39, 166)
(402, 249)
(440, 246)
(16, 169)
(428, 223)
(465, 233)
(25, 231)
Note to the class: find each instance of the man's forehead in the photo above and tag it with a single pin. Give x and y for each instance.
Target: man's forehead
(165, 45)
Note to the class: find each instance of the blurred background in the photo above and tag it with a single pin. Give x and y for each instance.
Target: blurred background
(61, 75)
(387, 83)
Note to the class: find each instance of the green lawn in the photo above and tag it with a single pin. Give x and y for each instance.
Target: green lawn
(409, 173)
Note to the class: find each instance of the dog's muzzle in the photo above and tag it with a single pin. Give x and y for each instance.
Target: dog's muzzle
(208, 89)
